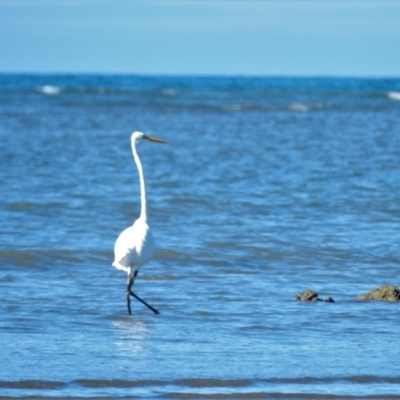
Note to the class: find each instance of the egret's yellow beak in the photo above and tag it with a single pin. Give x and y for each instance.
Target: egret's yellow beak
(153, 139)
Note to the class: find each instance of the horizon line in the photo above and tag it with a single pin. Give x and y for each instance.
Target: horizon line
(207, 74)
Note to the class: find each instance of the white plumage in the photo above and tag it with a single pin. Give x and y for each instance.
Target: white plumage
(135, 245)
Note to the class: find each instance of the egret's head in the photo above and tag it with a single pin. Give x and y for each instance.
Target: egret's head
(137, 137)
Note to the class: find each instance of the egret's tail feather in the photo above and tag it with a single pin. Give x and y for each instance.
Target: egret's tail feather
(121, 267)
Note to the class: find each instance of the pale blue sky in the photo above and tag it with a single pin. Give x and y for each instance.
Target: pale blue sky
(321, 37)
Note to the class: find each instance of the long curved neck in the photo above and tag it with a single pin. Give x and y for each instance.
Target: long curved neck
(143, 212)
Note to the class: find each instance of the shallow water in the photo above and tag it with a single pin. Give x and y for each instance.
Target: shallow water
(267, 186)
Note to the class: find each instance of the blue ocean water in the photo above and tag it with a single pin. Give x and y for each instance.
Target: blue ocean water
(267, 187)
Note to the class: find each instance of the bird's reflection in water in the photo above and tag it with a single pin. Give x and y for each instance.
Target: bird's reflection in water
(130, 335)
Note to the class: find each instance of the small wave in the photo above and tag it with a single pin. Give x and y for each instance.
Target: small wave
(19, 205)
(38, 258)
(192, 382)
(207, 388)
(299, 107)
(48, 89)
(234, 107)
(32, 384)
(296, 107)
(394, 95)
(169, 92)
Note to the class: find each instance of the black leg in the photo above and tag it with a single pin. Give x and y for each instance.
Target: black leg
(128, 303)
(129, 292)
(128, 289)
(142, 301)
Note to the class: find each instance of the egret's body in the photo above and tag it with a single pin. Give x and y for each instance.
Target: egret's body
(135, 245)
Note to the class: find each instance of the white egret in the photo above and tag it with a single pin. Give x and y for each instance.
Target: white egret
(135, 245)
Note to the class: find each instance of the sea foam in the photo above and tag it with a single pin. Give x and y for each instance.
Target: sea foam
(48, 89)
(394, 95)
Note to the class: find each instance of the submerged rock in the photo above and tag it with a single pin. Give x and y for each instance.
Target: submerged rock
(384, 293)
(310, 295)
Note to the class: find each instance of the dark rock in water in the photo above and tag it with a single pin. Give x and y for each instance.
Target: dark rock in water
(310, 295)
(384, 293)
(328, 300)
(307, 295)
